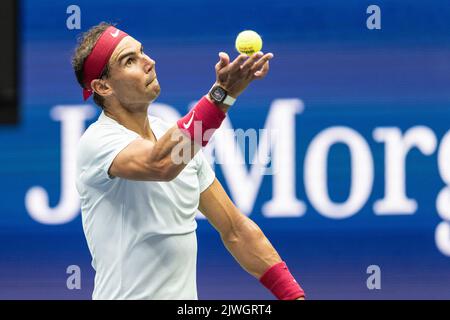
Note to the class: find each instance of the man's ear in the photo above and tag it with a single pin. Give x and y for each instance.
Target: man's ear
(101, 87)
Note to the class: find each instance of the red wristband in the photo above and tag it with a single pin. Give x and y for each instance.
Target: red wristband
(281, 283)
(201, 122)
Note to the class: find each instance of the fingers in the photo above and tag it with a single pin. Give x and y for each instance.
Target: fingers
(263, 72)
(236, 64)
(250, 61)
(261, 62)
(223, 62)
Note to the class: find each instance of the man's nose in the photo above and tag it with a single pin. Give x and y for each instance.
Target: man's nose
(149, 64)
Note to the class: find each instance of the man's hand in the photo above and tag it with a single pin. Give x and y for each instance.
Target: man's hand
(237, 75)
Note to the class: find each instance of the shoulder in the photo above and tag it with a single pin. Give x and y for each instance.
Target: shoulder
(160, 123)
(102, 136)
(96, 132)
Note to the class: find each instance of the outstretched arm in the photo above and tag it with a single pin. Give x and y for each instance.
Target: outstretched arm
(165, 159)
(247, 243)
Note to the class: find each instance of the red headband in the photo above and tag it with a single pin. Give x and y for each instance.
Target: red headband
(99, 57)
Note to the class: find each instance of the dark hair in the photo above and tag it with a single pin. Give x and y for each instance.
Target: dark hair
(85, 45)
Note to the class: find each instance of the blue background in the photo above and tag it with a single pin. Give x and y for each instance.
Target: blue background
(324, 54)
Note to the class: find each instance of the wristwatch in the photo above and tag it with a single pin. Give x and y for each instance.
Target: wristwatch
(220, 95)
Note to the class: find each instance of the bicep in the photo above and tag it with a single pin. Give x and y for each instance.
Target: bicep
(134, 162)
(220, 211)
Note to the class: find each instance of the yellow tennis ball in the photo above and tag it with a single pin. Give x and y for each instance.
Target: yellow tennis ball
(248, 42)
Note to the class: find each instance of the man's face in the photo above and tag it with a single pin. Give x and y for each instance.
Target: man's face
(132, 74)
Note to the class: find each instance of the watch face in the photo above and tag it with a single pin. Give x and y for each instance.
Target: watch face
(218, 94)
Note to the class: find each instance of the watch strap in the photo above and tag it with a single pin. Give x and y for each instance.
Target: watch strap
(229, 100)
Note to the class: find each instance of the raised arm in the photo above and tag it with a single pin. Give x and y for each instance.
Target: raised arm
(165, 159)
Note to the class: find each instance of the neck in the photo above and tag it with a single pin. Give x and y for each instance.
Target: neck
(136, 121)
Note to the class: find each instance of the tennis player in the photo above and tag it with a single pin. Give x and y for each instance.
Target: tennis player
(138, 200)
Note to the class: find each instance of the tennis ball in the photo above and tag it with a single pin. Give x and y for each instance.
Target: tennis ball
(248, 42)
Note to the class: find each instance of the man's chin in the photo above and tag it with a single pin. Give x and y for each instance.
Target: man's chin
(155, 91)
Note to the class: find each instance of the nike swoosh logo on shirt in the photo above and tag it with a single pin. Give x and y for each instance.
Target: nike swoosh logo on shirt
(115, 34)
(187, 125)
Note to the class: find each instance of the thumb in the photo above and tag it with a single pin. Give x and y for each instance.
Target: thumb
(223, 62)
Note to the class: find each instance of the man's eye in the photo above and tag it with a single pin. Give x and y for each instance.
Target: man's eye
(129, 61)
